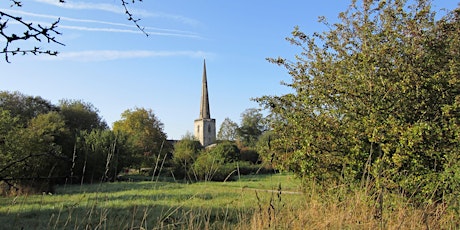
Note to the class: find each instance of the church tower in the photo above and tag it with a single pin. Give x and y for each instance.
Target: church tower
(205, 126)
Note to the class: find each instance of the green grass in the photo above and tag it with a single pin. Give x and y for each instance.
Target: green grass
(125, 205)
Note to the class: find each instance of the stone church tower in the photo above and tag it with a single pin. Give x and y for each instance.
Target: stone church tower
(205, 126)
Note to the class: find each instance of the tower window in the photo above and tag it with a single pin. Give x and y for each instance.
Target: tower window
(209, 128)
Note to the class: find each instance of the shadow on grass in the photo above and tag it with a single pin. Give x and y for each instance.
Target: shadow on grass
(115, 187)
(132, 217)
(134, 205)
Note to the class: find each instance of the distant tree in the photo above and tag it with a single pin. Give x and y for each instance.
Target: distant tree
(265, 149)
(30, 138)
(251, 127)
(216, 163)
(42, 144)
(32, 155)
(102, 155)
(145, 133)
(81, 116)
(24, 107)
(38, 32)
(375, 98)
(186, 151)
(42, 136)
(228, 130)
(9, 126)
(227, 151)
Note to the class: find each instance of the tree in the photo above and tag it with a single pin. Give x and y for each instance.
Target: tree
(102, 155)
(227, 151)
(186, 151)
(38, 33)
(217, 163)
(31, 135)
(264, 147)
(81, 116)
(228, 130)
(32, 154)
(23, 106)
(251, 127)
(375, 98)
(145, 132)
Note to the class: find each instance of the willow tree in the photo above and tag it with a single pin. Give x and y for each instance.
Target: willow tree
(375, 98)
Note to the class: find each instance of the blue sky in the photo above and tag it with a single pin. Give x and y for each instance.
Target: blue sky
(108, 62)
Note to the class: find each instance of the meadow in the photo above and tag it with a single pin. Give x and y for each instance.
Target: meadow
(146, 204)
(252, 202)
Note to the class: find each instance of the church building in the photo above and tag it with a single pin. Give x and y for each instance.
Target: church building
(205, 126)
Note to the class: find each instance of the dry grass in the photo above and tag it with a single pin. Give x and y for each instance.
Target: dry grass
(355, 209)
(258, 202)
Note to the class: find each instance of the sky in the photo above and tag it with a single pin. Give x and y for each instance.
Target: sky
(108, 62)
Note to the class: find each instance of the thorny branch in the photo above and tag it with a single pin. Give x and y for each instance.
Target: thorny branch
(40, 33)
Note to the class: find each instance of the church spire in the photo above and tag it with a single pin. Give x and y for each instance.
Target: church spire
(204, 106)
(205, 126)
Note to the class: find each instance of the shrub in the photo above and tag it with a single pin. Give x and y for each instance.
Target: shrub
(249, 155)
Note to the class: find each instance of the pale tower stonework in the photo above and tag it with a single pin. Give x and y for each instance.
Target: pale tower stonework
(205, 126)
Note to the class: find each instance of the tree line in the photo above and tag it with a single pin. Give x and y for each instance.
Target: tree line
(42, 143)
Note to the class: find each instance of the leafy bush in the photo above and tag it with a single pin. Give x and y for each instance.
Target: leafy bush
(249, 155)
(227, 151)
(209, 166)
(374, 99)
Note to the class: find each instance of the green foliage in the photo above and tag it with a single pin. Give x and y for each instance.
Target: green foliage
(216, 163)
(252, 126)
(102, 154)
(227, 151)
(228, 130)
(81, 116)
(31, 155)
(42, 144)
(264, 146)
(186, 151)
(145, 133)
(207, 165)
(376, 97)
(249, 155)
(24, 107)
(42, 137)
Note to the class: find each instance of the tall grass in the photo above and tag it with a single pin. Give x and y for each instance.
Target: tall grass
(345, 207)
(253, 202)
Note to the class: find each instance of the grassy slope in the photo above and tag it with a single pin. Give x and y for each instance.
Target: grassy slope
(148, 204)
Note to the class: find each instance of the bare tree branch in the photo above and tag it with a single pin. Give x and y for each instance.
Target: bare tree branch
(23, 159)
(32, 32)
(125, 3)
(41, 33)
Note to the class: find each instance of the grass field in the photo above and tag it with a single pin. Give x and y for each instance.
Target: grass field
(150, 205)
(252, 202)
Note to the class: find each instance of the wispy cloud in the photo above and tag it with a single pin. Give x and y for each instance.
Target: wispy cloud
(110, 55)
(133, 31)
(131, 28)
(118, 9)
(84, 6)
